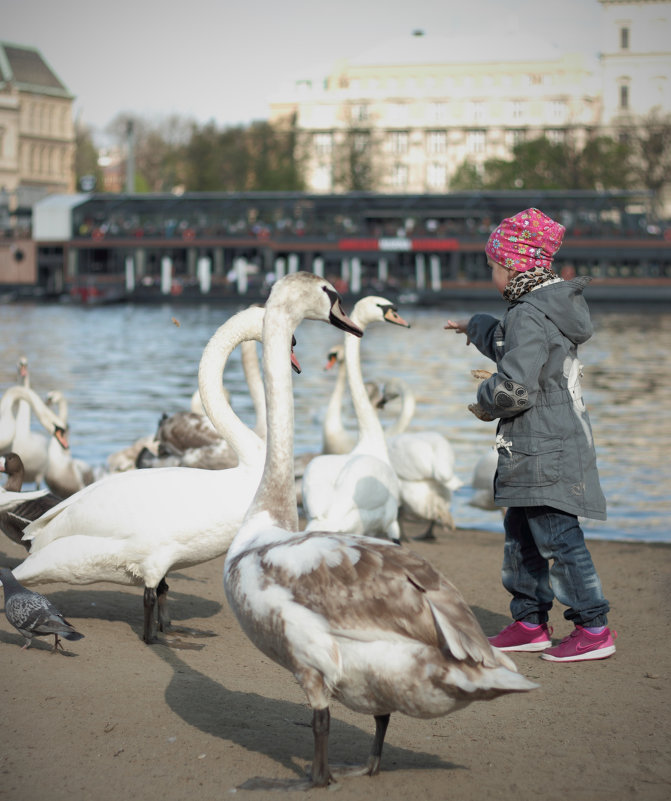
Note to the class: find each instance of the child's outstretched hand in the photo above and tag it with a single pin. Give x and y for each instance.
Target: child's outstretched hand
(460, 326)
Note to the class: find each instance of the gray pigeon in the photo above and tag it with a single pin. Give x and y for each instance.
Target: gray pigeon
(32, 614)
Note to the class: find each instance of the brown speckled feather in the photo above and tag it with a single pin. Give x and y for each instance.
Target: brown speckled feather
(375, 589)
(185, 430)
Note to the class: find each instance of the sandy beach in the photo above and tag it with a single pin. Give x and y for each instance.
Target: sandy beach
(113, 718)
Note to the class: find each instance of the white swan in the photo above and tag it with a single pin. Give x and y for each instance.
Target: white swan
(19, 507)
(23, 409)
(357, 492)
(191, 437)
(335, 437)
(424, 464)
(31, 446)
(391, 390)
(65, 475)
(355, 619)
(134, 527)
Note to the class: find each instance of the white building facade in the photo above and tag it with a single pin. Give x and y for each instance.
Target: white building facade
(635, 60)
(414, 110)
(37, 140)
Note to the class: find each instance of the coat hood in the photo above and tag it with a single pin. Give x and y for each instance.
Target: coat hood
(563, 303)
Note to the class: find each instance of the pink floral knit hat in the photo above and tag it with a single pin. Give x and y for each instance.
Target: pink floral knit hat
(529, 239)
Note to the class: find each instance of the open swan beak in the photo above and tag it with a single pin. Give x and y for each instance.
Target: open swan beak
(338, 318)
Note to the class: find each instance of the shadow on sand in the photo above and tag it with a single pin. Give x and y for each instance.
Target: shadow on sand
(280, 730)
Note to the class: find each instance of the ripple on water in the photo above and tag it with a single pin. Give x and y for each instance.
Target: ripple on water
(121, 367)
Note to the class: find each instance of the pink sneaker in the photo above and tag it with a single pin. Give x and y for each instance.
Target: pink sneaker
(518, 637)
(581, 645)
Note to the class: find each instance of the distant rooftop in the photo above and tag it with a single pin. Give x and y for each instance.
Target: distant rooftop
(25, 68)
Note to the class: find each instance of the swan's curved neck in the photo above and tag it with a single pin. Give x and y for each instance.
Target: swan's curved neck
(276, 494)
(246, 324)
(8, 404)
(252, 370)
(407, 410)
(370, 429)
(333, 429)
(61, 404)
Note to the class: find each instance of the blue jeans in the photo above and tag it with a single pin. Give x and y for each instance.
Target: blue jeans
(534, 536)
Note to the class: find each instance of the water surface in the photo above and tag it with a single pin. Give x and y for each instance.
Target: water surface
(121, 367)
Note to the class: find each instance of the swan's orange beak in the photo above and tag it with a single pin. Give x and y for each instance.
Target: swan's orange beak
(295, 364)
(331, 361)
(61, 436)
(392, 316)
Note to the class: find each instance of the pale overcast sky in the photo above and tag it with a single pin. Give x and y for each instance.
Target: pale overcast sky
(222, 60)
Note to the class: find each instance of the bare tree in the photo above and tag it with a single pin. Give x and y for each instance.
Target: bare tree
(650, 162)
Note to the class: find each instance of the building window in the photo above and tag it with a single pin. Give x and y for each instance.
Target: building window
(437, 143)
(436, 176)
(555, 136)
(624, 97)
(399, 176)
(437, 113)
(517, 109)
(514, 136)
(558, 110)
(360, 112)
(3, 131)
(399, 142)
(323, 144)
(624, 38)
(476, 111)
(475, 141)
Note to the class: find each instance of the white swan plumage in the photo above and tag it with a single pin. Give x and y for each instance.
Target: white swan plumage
(424, 462)
(65, 474)
(134, 527)
(31, 446)
(482, 482)
(335, 437)
(357, 492)
(188, 439)
(355, 619)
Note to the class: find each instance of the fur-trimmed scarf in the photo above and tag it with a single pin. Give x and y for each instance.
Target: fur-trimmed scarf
(523, 282)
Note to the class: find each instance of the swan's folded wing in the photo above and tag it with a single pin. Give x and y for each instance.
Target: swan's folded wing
(370, 590)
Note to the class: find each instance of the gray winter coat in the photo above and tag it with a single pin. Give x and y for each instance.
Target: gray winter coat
(544, 438)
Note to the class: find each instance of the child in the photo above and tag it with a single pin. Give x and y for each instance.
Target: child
(547, 472)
